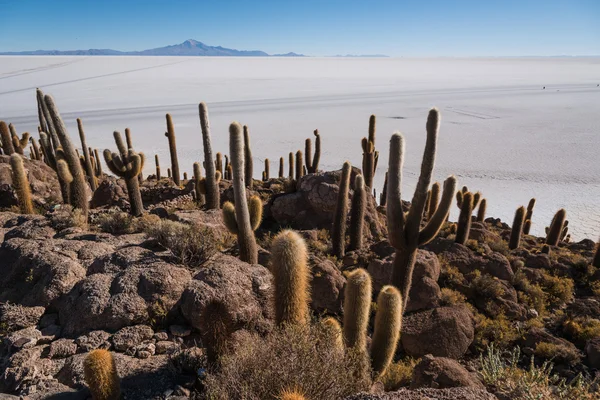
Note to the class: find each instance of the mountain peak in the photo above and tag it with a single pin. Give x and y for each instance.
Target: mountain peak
(191, 42)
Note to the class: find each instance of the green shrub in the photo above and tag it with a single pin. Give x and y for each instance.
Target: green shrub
(451, 297)
(499, 331)
(398, 374)
(559, 353)
(582, 329)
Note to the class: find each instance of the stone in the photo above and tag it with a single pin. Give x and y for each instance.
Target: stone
(93, 340)
(62, 348)
(179, 330)
(43, 183)
(327, 286)
(441, 373)
(592, 350)
(131, 336)
(15, 316)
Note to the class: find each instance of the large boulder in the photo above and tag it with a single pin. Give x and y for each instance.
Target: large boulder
(442, 332)
(592, 350)
(42, 181)
(327, 286)
(110, 192)
(15, 316)
(441, 373)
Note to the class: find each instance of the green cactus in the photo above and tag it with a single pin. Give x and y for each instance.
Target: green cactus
(267, 174)
(481, 210)
(101, 375)
(434, 199)
(464, 219)
(289, 258)
(357, 306)
(211, 186)
(170, 134)
(517, 229)
(21, 184)
(78, 192)
(7, 142)
(338, 228)
(357, 214)
(299, 169)
(556, 227)
(219, 163)
(291, 167)
(405, 234)
(98, 170)
(388, 324)
(127, 164)
(157, 163)
(169, 173)
(368, 146)
(281, 168)
(245, 233)
(248, 161)
(86, 156)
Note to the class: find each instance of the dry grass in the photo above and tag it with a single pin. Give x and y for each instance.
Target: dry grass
(116, 223)
(399, 374)
(67, 217)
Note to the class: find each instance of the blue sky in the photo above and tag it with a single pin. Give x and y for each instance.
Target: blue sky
(396, 28)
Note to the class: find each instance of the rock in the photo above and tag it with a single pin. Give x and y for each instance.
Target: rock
(592, 350)
(166, 347)
(245, 290)
(428, 394)
(24, 338)
(180, 331)
(26, 366)
(93, 340)
(541, 261)
(42, 181)
(565, 352)
(111, 192)
(15, 316)
(327, 286)
(48, 320)
(425, 293)
(31, 227)
(161, 336)
(62, 348)
(144, 350)
(442, 332)
(380, 271)
(441, 373)
(498, 265)
(461, 257)
(131, 336)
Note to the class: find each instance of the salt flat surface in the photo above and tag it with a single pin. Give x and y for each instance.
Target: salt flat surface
(501, 133)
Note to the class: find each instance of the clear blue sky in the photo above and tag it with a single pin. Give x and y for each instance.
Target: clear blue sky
(394, 27)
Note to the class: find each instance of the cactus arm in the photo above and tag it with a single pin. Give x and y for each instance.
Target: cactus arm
(430, 231)
(317, 156)
(395, 214)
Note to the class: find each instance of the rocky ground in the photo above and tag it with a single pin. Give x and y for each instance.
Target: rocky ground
(67, 288)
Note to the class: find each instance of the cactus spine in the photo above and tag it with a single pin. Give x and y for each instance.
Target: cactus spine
(245, 233)
(291, 166)
(556, 227)
(405, 234)
(211, 185)
(127, 164)
(170, 134)
(357, 305)
(101, 375)
(357, 215)
(291, 276)
(78, 194)
(7, 143)
(464, 219)
(481, 210)
(281, 168)
(388, 324)
(528, 216)
(299, 169)
(21, 184)
(517, 229)
(86, 156)
(338, 229)
(248, 162)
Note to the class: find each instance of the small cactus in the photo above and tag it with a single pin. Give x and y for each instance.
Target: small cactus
(21, 184)
(308, 154)
(299, 169)
(86, 157)
(368, 146)
(517, 229)
(6, 139)
(19, 144)
(267, 170)
(338, 228)
(388, 324)
(101, 376)
(334, 330)
(212, 192)
(293, 394)
(64, 179)
(556, 227)
(481, 210)
(357, 306)
(528, 216)
(199, 184)
(216, 327)
(464, 219)
(248, 162)
(357, 213)
(169, 173)
(219, 163)
(98, 171)
(281, 169)
(291, 276)
(255, 209)
(157, 163)
(291, 166)
(170, 134)
(434, 199)
(317, 156)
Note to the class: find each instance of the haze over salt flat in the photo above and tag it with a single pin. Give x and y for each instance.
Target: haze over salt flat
(501, 133)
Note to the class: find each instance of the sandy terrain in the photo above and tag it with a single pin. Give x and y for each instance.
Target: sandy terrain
(502, 133)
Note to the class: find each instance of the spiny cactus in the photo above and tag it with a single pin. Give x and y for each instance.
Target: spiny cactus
(434, 199)
(369, 154)
(98, 170)
(291, 276)
(185, 176)
(308, 154)
(169, 173)
(78, 193)
(101, 375)
(405, 233)
(245, 233)
(556, 227)
(528, 216)
(317, 156)
(21, 184)
(127, 164)
(255, 209)
(267, 174)
(64, 179)
(7, 143)
(388, 324)
(517, 229)
(291, 394)
(357, 306)
(219, 163)
(248, 162)
(464, 219)
(86, 157)
(198, 181)
(481, 210)
(338, 228)
(216, 327)
(281, 168)
(170, 134)
(19, 144)
(211, 186)
(299, 169)
(357, 213)
(334, 330)
(291, 166)
(229, 172)
(50, 129)
(157, 163)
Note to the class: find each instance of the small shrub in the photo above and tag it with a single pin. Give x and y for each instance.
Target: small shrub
(499, 246)
(67, 217)
(398, 374)
(451, 297)
(487, 286)
(499, 331)
(559, 353)
(582, 329)
(533, 296)
(450, 276)
(560, 290)
(300, 357)
(190, 245)
(116, 223)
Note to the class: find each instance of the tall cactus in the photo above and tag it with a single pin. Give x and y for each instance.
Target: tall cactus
(405, 233)
(78, 193)
(357, 306)
(127, 164)
(338, 228)
(481, 210)
(21, 184)
(157, 164)
(212, 186)
(517, 229)
(369, 154)
(388, 324)
(198, 181)
(308, 154)
(464, 219)
(434, 199)
(299, 169)
(556, 227)
(267, 174)
(86, 156)
(357, 213)
(248, 162)
(98, 171)
(245, 233)
(281, 168)
(7, 143)
(528, 216)
(219, 163)
(317, 156)
(291, 166)
(170, 134)
(100, 374)
(291, 275)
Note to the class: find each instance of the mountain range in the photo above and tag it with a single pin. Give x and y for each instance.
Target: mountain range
(190, 47)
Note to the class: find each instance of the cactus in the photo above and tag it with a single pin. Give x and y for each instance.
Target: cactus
(64, 179)
(464, 219)
(248, 162)
(245, 233)
(596, 260)
(292, 394)
(357, 306)
(216, 328)
(308, 154)
(19, 144)
(185, 176)
(338, 228)
(98, 171)
(317, 156)
(334, 330)
(86, 156)
(101, 376)
(6, 139)
(267, 170)
(528, 216)
(481, 210)
(78, 193)
(388, 324)
(198, 183)
(368, 146)
(169, 173)
(383, 196)
(291, 167)
(299, 169)
(229, 172)
(50, 129)
(211, 185)
(157, 163)
(517, 229)
(219, 163)
(291, 276)
(21, 184)
(281, 168)
(434, 199)
(127, 164)
(255, 209)
(357, 216)
(405, 234)
(170, 134)
(556, 227)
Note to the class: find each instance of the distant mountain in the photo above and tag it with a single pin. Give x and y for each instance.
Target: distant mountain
(188, 48)
(363, 55)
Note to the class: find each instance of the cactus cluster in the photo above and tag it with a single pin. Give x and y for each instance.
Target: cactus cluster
(87, 161)
(467, 202)
(312, 162)
(370, 155)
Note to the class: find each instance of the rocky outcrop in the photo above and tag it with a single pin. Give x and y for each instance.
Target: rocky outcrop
(428, 394)
(42, 181)
(441, 373)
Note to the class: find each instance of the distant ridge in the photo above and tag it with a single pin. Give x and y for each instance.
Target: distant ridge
(363, 55)
(190, 47)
